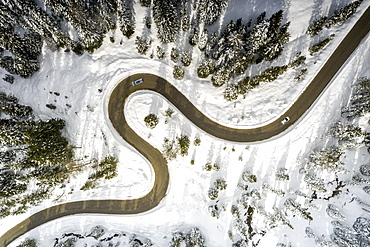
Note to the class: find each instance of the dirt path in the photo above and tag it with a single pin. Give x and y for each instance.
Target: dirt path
(161, 86)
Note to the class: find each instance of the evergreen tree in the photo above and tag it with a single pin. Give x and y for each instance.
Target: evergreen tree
(210, 10)
(166, 19)
(126, 18)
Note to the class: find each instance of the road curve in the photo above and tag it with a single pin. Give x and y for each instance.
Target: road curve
(161, 86)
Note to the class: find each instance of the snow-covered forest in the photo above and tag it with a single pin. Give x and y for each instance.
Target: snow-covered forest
(59, 60)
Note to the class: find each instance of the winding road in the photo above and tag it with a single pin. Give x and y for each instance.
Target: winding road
(159, 85)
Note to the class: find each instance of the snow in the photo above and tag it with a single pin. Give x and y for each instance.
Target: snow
(79, 80)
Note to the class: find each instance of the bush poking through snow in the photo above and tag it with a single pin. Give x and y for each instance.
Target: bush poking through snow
(184, 143)
(339, 16)
(231, 93)
(249, 177)
(170, 149)
(293, 206)
(318, 46)
(359, 102)
(186, 58)
(175, 54)
(206, 68)
(281, 174)
(106, 169)
(220, 184)
(212, 193)
(160, 53)
(28, 242)
(142, 44)
(178, 72)
(151, 121)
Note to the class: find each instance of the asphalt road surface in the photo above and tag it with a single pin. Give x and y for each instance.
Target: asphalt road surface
(161, 86)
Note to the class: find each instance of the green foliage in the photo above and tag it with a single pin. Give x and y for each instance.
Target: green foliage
(9, 105)
(208, 167)
(145, 3)
(327, 159)
(186, 58)
(169, 112)
(9, 78)
(178, 72)
(220, 184)
(359, 103)
(166, 19)
(318, 46)
(184, 143)
(175, 54)
(28, 242)
(205, 69)
(337, 18)
(298, 62)
(249, 177)
(197, 141)
(212, 193)
(142, 45)
(220, 77)
(106, 169)
(231, 93)
(151, 121)
(160, 52)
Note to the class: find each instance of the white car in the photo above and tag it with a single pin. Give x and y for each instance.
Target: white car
(138, 81)
(285, 120)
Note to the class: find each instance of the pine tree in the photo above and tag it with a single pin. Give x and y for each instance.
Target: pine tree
(126, 18)
(166, 19)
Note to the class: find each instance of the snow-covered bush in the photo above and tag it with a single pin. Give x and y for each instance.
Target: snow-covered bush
(319, 45)
(186, 58)
(314, 183)
(220, 184)
(160, 52)
(142, 44)
(359, 102)
(151, 121)
(327, 159)
(212, 193)
(293, 206)
(184, 143)
(178, 72)
(365, 169)
(339, 16)
(333, 212)
(205, 69)
(281, 174)
(166, 19)
(231, 93)
(249, 177)
(170, 149)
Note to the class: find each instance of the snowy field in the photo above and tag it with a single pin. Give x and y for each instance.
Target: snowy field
(85, 82)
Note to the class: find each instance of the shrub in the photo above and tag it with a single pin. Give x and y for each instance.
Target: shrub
(175, 54)
(184, 143)
(212, 193)
(186, 58)
(151, 121)
(205, 69)
(318, 46)
(178, 72)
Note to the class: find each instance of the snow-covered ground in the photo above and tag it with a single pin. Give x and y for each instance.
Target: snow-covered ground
(84, 83)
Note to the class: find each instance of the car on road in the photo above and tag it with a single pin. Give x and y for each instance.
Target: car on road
(138, 81)
(285, 120)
